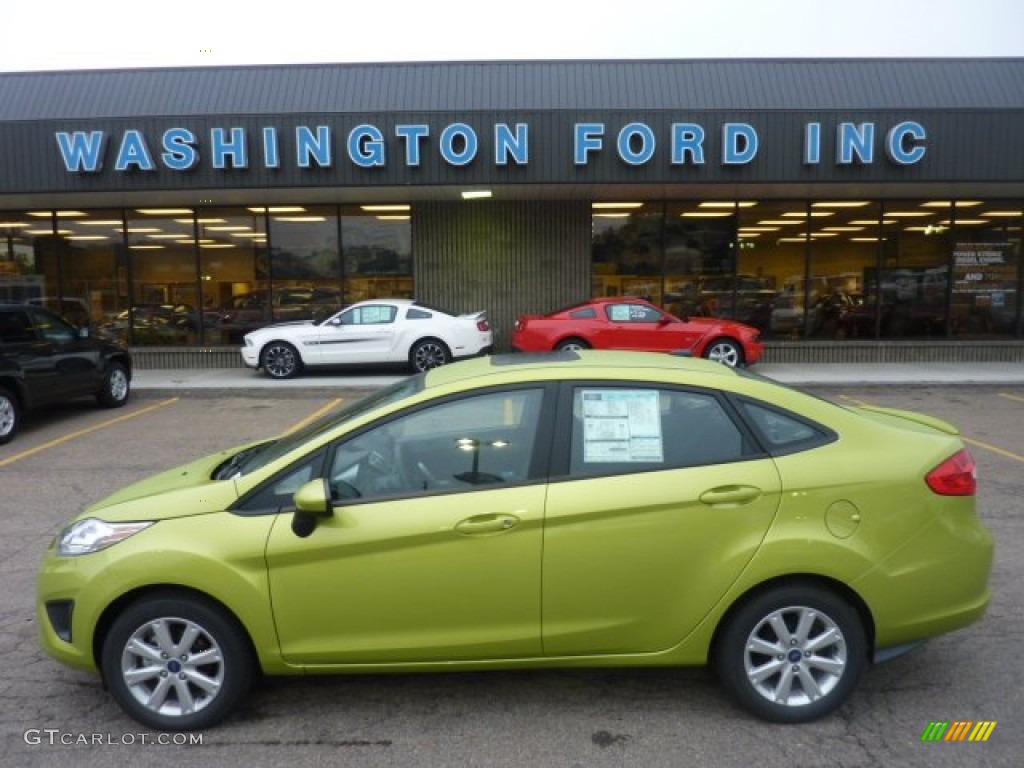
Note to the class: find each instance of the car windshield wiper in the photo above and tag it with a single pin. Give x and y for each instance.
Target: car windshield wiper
(233, 466)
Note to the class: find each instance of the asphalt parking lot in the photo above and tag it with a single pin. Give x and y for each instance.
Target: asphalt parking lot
(54, 716)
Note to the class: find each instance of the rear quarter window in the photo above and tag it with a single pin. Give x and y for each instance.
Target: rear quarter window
(783, 432)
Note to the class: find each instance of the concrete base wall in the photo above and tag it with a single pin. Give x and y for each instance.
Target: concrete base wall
(1010, 351)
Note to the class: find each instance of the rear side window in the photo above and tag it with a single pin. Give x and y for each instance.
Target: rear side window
(624, 430)
(584, 314)
(783, 432)
(15, 328)
(417, 314)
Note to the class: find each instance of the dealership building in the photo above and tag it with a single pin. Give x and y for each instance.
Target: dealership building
(861, 209)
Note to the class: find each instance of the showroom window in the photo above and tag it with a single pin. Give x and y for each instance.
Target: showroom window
(377, 243)
(28, 255)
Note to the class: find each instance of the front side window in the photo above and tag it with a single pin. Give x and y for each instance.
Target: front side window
(624, 430)
(633, 313)
(376, 314)
(51, 327)
(472, 442)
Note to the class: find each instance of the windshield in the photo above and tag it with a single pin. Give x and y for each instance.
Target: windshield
(268, 452)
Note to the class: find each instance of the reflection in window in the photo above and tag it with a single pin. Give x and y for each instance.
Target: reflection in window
(378, 252)
(476, 442)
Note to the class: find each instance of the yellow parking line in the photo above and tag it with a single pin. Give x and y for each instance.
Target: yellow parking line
(315, 415)
(978, 443)
(1012, 397)
(79, 433)
(993, 448)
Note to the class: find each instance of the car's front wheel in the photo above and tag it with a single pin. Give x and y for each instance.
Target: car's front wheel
(280, 360)
(10, 416)
(116, 387)
(792, 654)
(725, 351)
(428, 353)
(176, 663)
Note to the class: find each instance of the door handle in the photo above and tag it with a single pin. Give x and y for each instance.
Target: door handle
(731, 494)
(487, 524)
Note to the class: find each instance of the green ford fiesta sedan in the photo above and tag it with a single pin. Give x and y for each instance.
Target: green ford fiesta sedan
(565, 509)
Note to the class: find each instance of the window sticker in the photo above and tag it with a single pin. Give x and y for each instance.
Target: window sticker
(619, 313)
(621, 425)
(375, 315)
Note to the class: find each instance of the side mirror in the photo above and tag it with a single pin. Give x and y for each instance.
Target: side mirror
(664, 320)
(313, 500)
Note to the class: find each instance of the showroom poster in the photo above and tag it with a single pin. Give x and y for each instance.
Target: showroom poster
(621, 426)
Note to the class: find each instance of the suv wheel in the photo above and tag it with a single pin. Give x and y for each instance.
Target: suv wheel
(10, 416)
(116, 386)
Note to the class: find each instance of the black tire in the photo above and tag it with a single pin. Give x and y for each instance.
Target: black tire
(280, 360)
(116, 387)
(10, 415)
(157, 693)
(815, 665)
(428, 353)
(725, 351)
(571, 345)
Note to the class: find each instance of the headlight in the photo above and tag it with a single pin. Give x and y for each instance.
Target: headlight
(91, 535)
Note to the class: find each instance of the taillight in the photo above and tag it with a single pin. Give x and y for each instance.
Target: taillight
(483, 325)
(956, 476)
(517, 325)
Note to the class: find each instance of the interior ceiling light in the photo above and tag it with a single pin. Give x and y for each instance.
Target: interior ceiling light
(1008, 214)
(88, 237)
(393, 218)
(60, 214)
(620, 215)
(279, 209)
(947, 203)
(164, 211)
(745, 204)
(909, 214)
(804, 214)
(300, 218)
(785, 222)
(705, 214)
(476, 194)
(599, 206)
(100, 223)
(865, 239)
(14, 224)
(873, 222)
(389, 207)
(840, 204)
(843, 229)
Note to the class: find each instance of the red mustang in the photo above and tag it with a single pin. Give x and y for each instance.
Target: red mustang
(631, 323)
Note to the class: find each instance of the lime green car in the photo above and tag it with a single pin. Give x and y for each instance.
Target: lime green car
(575, 508)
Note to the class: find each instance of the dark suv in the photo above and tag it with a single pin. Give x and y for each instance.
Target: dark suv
(44, 359)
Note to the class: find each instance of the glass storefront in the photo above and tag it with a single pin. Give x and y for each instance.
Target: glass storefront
(182, 276)
(797, 269)
(823, 269)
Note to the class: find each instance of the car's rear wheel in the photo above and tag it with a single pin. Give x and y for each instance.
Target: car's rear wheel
(792, 654)
(280, 360)
(725, 351)
(116, 387)
(175, 663)
(428, 353)
(10, 416)
(572, 345)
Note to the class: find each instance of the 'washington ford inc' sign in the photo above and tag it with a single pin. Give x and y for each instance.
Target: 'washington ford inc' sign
(459, 144)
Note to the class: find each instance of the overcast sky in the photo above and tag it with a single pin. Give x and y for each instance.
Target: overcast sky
(101, 34)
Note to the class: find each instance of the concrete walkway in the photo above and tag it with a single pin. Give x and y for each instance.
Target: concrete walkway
(821, 374)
